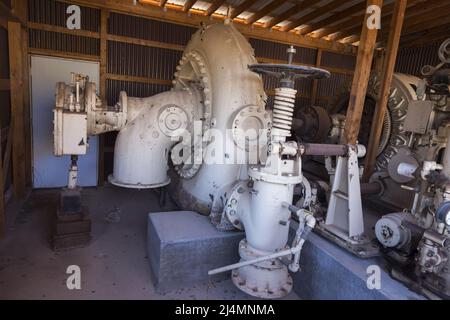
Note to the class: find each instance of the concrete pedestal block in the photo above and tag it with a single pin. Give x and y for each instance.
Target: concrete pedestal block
(329, 272)
(183, 246)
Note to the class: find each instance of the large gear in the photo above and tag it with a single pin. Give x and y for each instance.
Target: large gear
(393, 135)
(192, 72)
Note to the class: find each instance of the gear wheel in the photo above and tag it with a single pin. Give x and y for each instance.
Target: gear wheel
(192, 72)
(393, 135)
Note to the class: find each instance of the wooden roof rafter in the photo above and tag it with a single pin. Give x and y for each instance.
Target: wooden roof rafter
(341, 15)
(265, 11)
(314, 14)
(437, 14)
(188, 5)
(242, 7)
(416, 10)
(290, 12)
(216, 4)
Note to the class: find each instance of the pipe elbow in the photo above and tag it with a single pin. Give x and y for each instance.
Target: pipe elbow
(142, 147)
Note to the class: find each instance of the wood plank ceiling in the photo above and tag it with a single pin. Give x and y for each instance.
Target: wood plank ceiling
(330, 20)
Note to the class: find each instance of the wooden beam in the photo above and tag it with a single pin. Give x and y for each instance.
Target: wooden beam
(147, 43)
(20, 10)
(360, 79)
(51, 28)
(214, 6)
(265, 11)
(432, 24)
(432, 19)
(315, 82)
(420, 14)
(2, 196)
(17, 107)
(7, 14)
(415, 14)
(355, 29)
(423, 37)
(63, 54)
(179, 17)
(289, 13)
(354, 21)
(341, 15)
(27, 110)
(241, 8)
(104, 15)
(314, 14)
(188, 5)
(138, 79)
(385, 88)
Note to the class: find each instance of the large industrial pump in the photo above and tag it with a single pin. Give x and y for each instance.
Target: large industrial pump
(234, 157)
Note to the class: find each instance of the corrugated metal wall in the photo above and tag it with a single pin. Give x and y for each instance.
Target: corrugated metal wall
(52, 12)
(141, 28)
(411, 60)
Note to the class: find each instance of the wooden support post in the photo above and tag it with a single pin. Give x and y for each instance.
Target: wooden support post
(26, 107)
(103, 73)
(315, 83)
(17, 107)
(360, 78)
(2, 194)
(386, 79)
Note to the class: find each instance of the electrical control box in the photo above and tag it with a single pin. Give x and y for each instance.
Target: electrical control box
(70, 132)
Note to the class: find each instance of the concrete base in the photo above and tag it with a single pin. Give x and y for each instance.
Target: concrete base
(183, 246)
(328, 272)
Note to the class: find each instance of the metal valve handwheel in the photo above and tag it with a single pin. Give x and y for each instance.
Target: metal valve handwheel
(290, 71)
